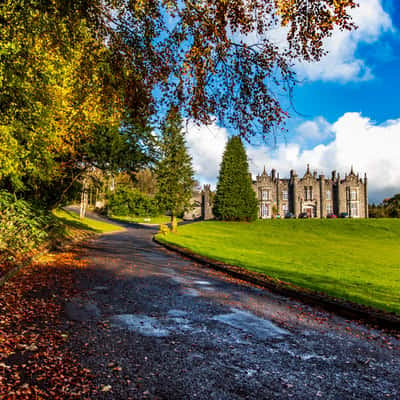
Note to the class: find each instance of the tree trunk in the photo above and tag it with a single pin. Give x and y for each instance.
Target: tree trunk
(84, 201)
(174, 224)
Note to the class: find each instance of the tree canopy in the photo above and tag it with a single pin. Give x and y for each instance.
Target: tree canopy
(235, 199)
(174, 171)
(80, 81)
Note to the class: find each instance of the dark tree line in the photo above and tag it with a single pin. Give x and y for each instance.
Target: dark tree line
(389, 208)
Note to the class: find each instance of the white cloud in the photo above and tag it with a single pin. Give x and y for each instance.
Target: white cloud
(206, 146)
(356, 141)
(342, 63)
(317, 130)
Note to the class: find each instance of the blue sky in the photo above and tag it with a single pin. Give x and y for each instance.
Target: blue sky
(348, 110)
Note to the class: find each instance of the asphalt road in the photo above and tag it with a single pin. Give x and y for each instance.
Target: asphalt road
(151, 324)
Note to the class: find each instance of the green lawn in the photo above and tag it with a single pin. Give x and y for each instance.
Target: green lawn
(72, 219)
(358, 260)
(160, 219)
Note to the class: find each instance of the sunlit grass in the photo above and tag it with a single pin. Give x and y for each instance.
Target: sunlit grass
(160, 219)
(72, 219)
(357, 260)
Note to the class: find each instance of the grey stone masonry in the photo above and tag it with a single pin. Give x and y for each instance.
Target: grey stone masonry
(312, 195)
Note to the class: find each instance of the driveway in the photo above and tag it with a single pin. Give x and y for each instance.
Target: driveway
(151, 324)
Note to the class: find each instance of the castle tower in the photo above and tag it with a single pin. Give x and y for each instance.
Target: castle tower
(206, 206)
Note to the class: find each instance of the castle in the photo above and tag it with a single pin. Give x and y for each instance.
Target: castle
(313, 196)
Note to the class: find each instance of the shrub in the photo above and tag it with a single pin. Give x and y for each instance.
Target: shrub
(126, 201)
(164, 229)
(21, 227)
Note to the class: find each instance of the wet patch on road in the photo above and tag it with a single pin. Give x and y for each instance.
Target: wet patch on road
(191, 292)
(202, 283)
(142, 324)
(248, 322)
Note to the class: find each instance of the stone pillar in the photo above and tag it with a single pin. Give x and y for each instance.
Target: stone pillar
(278, 199)
(322, 196)
(366, 196)
(339, 196)
(295, 199)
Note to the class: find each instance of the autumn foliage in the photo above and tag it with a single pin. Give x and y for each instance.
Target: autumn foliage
(35, 362)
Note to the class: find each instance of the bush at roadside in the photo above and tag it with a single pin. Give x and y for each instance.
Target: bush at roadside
(126, 201)
(22, 227)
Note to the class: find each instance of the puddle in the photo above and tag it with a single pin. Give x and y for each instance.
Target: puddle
(142, 324)
(191, 292)
(311, 356)
(202, 283)
(100, 288)
(179, 279)
(176, 313)
(207, 288)
(248, 322)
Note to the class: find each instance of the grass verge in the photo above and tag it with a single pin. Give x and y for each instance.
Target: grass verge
(158, 220)
(73, 223)
(355, 260)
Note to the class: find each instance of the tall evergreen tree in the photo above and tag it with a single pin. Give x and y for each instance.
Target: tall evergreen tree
(235, 199)
(174, 171)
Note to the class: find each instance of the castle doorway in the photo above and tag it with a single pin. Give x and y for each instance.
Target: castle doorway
(310, 211)
(264, 210)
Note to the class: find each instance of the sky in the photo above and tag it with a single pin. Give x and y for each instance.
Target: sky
(346, 111)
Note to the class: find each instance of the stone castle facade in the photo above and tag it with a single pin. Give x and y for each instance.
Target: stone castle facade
(311, 195)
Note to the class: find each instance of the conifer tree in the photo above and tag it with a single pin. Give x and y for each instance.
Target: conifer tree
(235, 199)
(174, 171)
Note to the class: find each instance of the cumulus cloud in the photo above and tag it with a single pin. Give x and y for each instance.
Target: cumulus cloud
(342, 62)
(206, 145)
(314, 131)
(356, 141)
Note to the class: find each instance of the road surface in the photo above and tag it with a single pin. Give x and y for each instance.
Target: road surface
(151, 324)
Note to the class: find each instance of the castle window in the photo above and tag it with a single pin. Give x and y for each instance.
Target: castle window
(329, 209)
(307, 192)
(328, 195)
(284, 195)
(265, 194)
(353, 194)
(285, 209)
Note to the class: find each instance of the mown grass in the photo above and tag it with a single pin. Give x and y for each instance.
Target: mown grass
(158, 220)
(356, 260)
(72, 219)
